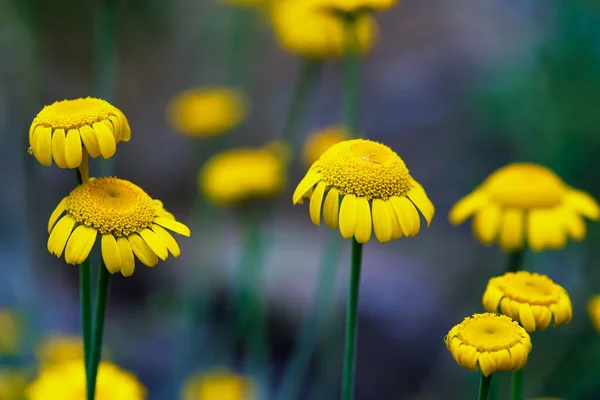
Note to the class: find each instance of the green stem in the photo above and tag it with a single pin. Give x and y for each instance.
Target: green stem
(484, 387)
(351, 77)
(352, 322)
(85, 293)
(305, 85)
(100, 313)
(239, 27)
(517, 385)
(515, 261)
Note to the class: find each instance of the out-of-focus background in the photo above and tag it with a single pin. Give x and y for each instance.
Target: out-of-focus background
(458, 88)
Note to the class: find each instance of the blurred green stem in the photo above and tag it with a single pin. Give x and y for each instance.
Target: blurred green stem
(98, 337)
(303, 350)
(352, 322)
(517, 385)
(351, 76)
(305, 85)
(484, 387)
(515, 261)
(239, 26)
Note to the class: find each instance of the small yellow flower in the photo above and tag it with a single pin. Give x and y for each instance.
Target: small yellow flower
(219, 385)
(530, 298)
(68, 130)
(206, 112)
(127, 220)
(594, 311)
(302, 29)
(67, 381)
(375, 188)
(11, 331)
(489, 342)
(354, 6)
(12, 384)
(237, 175)
(526, 203)
(59, 349)
(320, 141)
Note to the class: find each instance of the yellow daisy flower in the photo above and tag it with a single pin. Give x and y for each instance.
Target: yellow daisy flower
(219, 385)
(11, 331)
(204, 112)
(594, 311)
(375, 188)
(530, 298)
(302, 29)
(237, 175)
(67, 381)
(525, 202)
(68, 130)
(489, 342)
(127, 220)
(12, 384)
(354, 6)
(320, 141)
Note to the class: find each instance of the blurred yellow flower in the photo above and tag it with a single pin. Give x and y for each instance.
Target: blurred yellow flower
(375, 188)
(245, 3)
(68, 130)
(204, 112)
(525, 202)
(529, 298)
(58, 349)
(594, 311)
(11, 331)
(219, 385)
(320, 141)
(489, 342)
(237, 175)
(67, 381)
(353, 6)
(127, 220)
(302, 29)
(12, 384)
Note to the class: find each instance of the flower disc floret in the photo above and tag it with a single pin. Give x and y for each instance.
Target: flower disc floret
(530, 298)
(67, 131)
(489, 342)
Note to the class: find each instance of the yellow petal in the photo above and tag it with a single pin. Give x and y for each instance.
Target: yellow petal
(73, 152)
(116, 127)
(491, 298)
(348, 216)
(43, 146)
(111, 254)
(80, 244)
(487, 364)
(511, 230)
(382, 221)
(544, 230)
(486, 223)
(111, 127)
(583, 203)
(331, 208)
(60, 208)
(33, 139)
(526, 317)
(518, 355)
(306, 184)
(419, 197)
(467, 357)
(142, 250)
(167, 239)
(467, 206)
(125, 129)
(503, 360)
(88, 137)
(362, 232)
(155, 243)
(58, 148)
(407, 215)
(543, 316)
(84, 167)
(173, 225)
(127, 259)
(106, 140)
(316, 200)
(396, 228)
(31, 130)
(60, 234)
(573, 224)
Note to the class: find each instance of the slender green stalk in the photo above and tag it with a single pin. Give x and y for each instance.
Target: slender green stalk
(352, 322)
(515, 261)
(351, 77)
(305, 85)
(516, 390)
(85, 293)
(484, 387)
(239, 26)
(98, 337)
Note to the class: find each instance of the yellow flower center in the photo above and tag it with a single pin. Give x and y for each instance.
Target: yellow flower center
(525, 185)
(112, 206)
(365, 169)
(73, 114)
(490, 332)
(529, 288)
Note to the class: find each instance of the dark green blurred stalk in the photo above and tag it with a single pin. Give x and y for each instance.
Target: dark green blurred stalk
(515, 261)
(238, 46)
(309, 334)
(484, 387)
(516, 390)
(351, 77)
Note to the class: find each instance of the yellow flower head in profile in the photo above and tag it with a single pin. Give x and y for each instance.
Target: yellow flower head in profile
(12, 384)
(67, 381)
(206, 112)
(530, 298)
(320, 141)
(126, 219)
(59, 349)
(237, 175)
(354, 6)
(489, 342)
(219, 385)
(11, 331)
(68, 130)
(525, 202)
(302, 29)
(594, 311)
(375, 188)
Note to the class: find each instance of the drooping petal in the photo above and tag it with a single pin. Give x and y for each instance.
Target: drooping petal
(573, 224)
(117, 127)
(125, 128)
(331, 208)
(60, 235)
(73, 152)
(487, 364)
(348, 216)
(58, 211)
(467, 206)
(486, 223)
(396, 228)
(84, 167)
(583, 203)
(142, 251)
(111, 254)
(43, 146)
(512, 230)
(155, 243)
(316, 201)
(127, 259)
(362, 231)
(106, 140)
(306, 184)
(80, 244)
(526, 317)
(418, 196)
(543, 316)
(88, 137)
(492, 297)
(407, 215)
(382, 221)
(58, 148)
(167, 239)
(175, 226)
